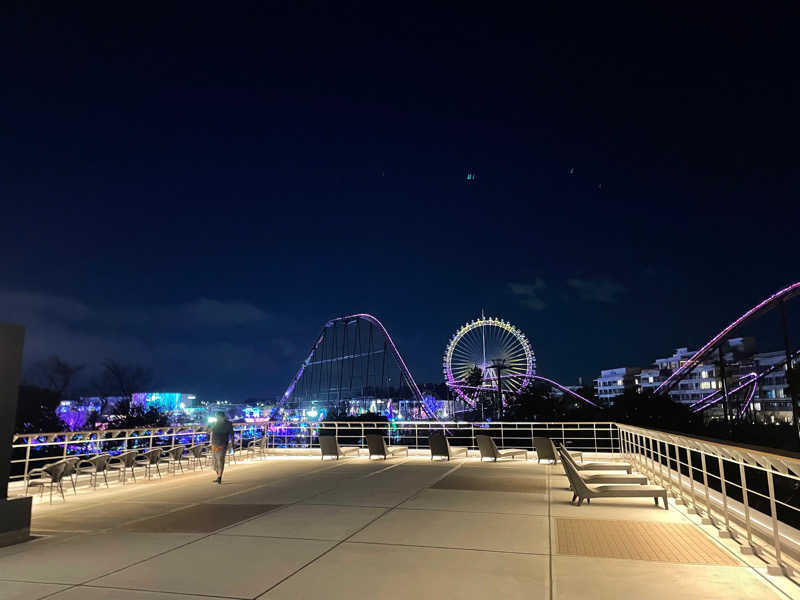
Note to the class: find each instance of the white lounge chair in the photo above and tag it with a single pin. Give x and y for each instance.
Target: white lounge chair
(489, 450)
(378, 447)
(603, 477)
(441, 447)
(329, 446)
(601, 466)
(584, 491)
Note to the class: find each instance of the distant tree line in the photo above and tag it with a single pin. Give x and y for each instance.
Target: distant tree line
(50, 381)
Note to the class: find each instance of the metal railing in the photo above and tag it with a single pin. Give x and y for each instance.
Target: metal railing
(31, 450)
(748, 495)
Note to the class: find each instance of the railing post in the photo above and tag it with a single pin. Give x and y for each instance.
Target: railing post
(747, 548)
(777, 568)
(594, 434)
(642, 449)
(708, 519)
(652, 461)
(660, 467)
(27, 457)
(416, 436)
(724, 533)
(502, 436)
(680, 475)
(693, 509)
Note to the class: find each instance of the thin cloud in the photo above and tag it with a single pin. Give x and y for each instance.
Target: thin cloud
(528, 293)
(598, 290)
(236, 341)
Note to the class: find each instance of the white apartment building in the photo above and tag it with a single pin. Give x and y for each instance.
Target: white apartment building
(696, 385)
(771, 399)
(648, 379)
(613, 382)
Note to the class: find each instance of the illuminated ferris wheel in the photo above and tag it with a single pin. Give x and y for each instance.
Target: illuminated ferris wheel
(501, 353)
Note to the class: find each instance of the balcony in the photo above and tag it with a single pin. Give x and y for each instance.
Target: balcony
(287, 525)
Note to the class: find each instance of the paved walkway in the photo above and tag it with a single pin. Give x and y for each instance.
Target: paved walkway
(296, 528)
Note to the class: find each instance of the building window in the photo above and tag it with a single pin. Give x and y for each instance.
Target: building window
(704, 374)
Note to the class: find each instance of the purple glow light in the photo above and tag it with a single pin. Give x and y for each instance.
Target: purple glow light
(667, 384)
(453, 383)
(371, 319)
(566, 390)
(753, 378)
(749, 399)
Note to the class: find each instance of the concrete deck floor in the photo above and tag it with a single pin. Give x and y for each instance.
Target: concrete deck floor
(293, 528)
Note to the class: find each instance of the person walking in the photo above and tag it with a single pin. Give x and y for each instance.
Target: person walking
(221, 432)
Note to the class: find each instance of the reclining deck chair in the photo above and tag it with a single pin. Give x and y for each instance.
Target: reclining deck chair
(329, 446)
(603, 476)
(585, 491)
(489, 450)
(377, 447)
(600, 466)
(441, 447)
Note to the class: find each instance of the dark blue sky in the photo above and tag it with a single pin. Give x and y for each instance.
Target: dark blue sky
(198, 189)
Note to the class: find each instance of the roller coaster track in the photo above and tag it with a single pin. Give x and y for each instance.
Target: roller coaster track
(310, 360)
(551, 382)
(392, 346)
(749, 379)
(715, 342)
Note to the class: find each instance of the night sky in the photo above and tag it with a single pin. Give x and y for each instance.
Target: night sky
(199, 189)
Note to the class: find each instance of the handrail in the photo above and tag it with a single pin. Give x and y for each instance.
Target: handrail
(747, 493)
(759, 309)
(744, 492)
(33, 449)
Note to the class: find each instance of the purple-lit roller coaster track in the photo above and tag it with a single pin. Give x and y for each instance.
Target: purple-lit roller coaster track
(373, 321)
(719, 339)
(550, 382)
(313, 359)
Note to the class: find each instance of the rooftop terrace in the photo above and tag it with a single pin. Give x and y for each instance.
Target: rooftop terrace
(290, 526)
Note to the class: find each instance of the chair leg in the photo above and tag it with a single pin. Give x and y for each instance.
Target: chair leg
(61, 489)
(105, 478)
(74, 491)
